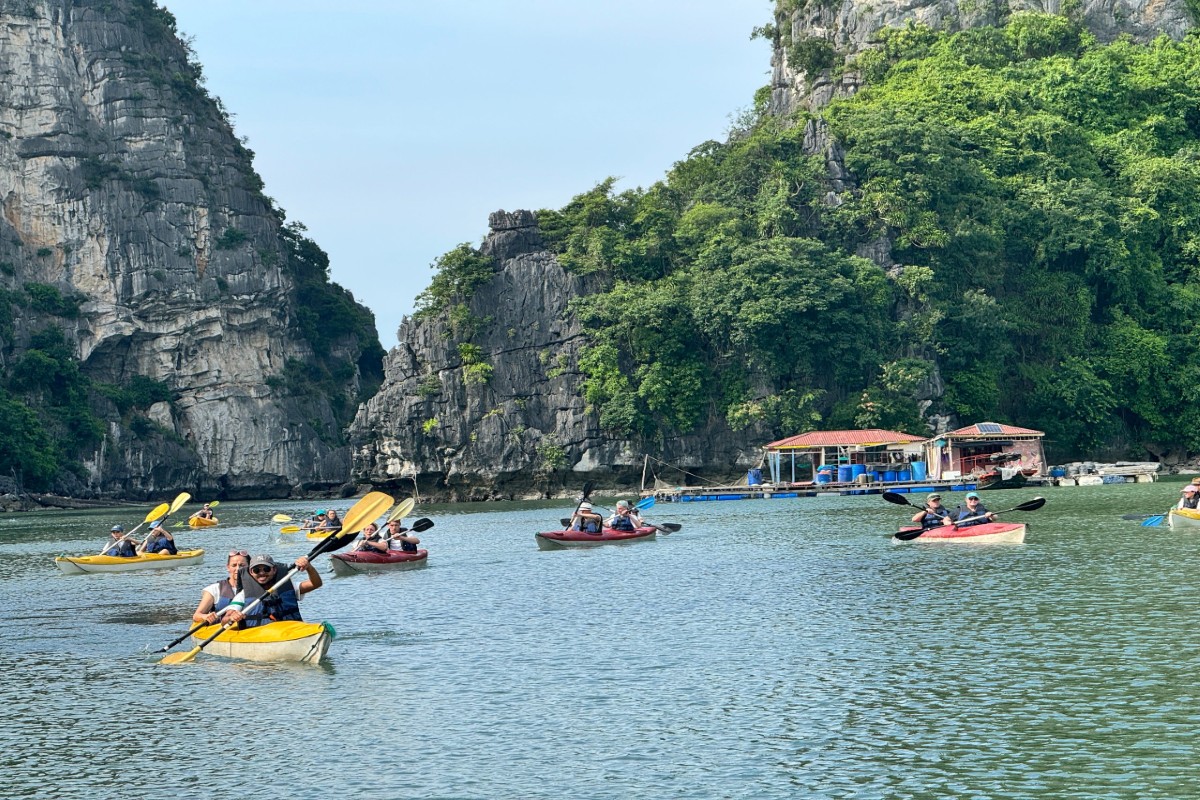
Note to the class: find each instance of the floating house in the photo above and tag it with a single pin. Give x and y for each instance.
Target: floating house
(989, 451)
(866, 456)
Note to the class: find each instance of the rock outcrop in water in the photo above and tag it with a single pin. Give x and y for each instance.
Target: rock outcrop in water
(132, 221)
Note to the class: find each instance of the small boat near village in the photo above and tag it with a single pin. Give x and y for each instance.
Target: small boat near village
(305, 642)
(988, 533)
(554, 540)
(374, 561)
(83, 565)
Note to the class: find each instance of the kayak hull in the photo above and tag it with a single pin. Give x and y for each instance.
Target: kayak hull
(86, 565)
(202, 522)
(556, 540)
(362, 561)
(989, 533)
(305, 642)
(1184, 518)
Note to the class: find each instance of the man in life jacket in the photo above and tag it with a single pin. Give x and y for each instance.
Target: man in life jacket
(400, 539)
(121, 547)
(281, 605)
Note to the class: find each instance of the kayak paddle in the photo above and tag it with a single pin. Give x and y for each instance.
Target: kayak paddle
(1154, 521)
(1028, 505)
(176, 504)
(290, 529)
(401, 511)
(154, 514)
(645, 503)
(360, 514)
(281, 518)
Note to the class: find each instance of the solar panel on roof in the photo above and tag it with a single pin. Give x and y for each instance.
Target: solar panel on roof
(989, 427)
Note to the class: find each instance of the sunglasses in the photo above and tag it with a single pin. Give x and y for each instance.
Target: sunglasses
(261, 571)
(241, 553)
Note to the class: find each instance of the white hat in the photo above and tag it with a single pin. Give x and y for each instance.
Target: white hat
(585, 506)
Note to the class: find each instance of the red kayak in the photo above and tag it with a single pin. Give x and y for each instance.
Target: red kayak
(552, 540)
(375, 561)
(986, 533)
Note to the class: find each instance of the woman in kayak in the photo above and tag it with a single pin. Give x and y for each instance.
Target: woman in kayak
(317, 521)
(121, 546)
(933, 514)
(372, 540)
(216, 597)
(974, 513)
(400, 539)
(331, 522)
(278, 606)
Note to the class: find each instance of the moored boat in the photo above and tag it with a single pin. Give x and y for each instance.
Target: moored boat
(375, 561)
(202, 522)
(306, 642)
(988, 533)
(82, 565)
(1184, 518)
(553, 540)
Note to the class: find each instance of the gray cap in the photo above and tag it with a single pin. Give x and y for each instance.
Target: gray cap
(260, 560)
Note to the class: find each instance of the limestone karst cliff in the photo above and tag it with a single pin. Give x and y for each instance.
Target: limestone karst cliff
(136, 238)
(521, 427)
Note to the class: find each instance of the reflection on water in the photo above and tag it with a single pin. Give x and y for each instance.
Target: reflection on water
(770, 649)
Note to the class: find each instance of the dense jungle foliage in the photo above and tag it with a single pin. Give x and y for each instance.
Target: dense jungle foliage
(1039, 195)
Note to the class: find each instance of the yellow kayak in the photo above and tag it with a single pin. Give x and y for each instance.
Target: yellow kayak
(83, 565)
(202, 522)
(306, 642)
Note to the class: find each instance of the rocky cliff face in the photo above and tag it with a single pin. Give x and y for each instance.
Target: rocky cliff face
(122, 185)
(850, 26)
(526, 431)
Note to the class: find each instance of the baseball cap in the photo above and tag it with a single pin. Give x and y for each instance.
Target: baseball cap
(972, 495)
(116, 528)
(261, 560)
(1189, 489)
(935, 497)
(585, 506)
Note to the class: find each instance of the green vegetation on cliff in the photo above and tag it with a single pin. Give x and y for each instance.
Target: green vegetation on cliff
(1038, 194)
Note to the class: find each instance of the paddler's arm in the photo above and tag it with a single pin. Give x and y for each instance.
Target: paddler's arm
(314, 581)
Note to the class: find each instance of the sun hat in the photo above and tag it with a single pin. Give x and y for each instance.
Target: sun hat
(971, 495)
(585, 506)
(261, 560)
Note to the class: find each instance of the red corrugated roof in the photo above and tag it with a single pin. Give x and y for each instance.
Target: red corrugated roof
(1003, 430)
(834, 438)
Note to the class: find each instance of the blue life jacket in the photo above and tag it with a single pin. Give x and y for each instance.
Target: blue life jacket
(621, 523)
(122, 549)
(284, 604)
(161, 544)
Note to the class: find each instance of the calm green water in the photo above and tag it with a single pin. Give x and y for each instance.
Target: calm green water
(771, 649)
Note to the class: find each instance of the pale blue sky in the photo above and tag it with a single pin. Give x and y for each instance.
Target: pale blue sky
(392, 129)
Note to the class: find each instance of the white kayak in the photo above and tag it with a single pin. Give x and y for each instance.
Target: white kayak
(84, 565)
(1184, 518)
(306, 642)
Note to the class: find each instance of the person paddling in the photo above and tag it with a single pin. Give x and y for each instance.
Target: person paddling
(317, 521)
(974, 513)
(281, 605)
(216, 597)
(625, 518)
(121, 547)
(400, 539)
(586, 520)
(332, 522)
(372, 540)
(933, 514)
(160, 540)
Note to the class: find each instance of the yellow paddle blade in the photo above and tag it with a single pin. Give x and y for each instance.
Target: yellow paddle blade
(281, 518)
(403, 510)
(290, 529)
(371, 507)
(179, 501)
(180, 658)
(159, 511)
(214, 504)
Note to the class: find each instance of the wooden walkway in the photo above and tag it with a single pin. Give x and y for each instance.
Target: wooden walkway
(696, 494)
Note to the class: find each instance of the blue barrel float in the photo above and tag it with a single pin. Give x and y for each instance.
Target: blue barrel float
(874, 476)
(904, 475)
(844, 474)
(918, 470)
(856, 470)
(889, 476)
(825, 475)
